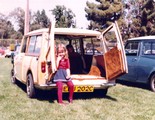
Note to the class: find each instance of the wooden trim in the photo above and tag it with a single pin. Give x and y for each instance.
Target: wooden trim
(113, 63)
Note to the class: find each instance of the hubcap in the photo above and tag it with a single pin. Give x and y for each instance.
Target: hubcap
(28, 87)
(153, 83)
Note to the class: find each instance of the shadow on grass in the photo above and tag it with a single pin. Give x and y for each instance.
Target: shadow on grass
(51, 95)
(133, 84)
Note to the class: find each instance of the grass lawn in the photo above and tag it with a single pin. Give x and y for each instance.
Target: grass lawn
(123, 102)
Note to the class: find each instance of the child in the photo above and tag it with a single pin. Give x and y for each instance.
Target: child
(63, 73)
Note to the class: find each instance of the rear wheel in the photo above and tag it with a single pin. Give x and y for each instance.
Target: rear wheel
(152, 83)
(102, 92)
(12, 77)
(30, 86)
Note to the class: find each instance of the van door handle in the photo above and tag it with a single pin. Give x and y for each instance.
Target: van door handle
(134, 59)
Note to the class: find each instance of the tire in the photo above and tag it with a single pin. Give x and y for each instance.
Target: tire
(102, 92)
(30, 89)
(12, 77)
(152, 83)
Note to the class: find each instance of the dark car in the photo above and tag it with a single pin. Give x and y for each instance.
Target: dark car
(8, 54)
(140, 54)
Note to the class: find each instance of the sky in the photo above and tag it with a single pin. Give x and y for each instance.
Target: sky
(77, 6)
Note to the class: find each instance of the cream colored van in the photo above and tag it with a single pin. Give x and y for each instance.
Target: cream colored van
(35, 65)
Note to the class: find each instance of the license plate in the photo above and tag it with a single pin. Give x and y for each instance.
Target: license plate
(80, 88)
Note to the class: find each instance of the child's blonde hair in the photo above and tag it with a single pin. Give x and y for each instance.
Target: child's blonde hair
(61, 47)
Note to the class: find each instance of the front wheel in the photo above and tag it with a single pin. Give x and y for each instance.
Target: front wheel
(12, 77)
(152, 83)
(30, 86)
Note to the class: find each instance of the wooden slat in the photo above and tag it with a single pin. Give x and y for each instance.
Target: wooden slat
(113, 64)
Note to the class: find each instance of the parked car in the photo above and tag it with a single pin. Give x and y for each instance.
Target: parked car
(8, 53)
(11, 53)
(140, 54)
(2, 52)
(17, 49)
(35, 65)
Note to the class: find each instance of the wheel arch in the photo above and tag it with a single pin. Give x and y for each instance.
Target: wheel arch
(149, 78)
(29, 72)
(151, 82)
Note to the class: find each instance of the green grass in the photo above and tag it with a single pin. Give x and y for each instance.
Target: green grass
(121, 103)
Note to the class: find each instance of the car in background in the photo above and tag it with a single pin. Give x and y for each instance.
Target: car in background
(17, 49)
(140, 53)
(2, 52)
(8, 53)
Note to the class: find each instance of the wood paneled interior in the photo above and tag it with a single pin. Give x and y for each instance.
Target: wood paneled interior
(113, 64)
(94, 70)
(97, 67)
(94, 65)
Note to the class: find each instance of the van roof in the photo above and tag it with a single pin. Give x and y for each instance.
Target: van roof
(67, 31)
(143, 38)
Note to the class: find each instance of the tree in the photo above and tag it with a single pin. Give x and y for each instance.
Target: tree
(102, 13)
(6, 27)
(140, 18)
(18, 15)
(147, 18)
(64, 17)
(3, 25)
(40, 20)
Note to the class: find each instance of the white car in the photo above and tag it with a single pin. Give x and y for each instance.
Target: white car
(8, 53)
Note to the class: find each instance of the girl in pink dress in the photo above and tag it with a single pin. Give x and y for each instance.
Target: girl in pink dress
(63, 73)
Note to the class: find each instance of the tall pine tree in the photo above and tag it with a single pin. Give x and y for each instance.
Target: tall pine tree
(64, 17)
(103, 12)
(142, 22)
(147, 18)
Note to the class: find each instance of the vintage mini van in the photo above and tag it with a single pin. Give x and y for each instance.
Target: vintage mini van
(35, 64)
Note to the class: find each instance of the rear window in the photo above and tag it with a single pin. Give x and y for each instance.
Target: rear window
(148, 48)
(82, 44)
(34, 45)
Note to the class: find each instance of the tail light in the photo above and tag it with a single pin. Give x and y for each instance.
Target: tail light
(43, 67)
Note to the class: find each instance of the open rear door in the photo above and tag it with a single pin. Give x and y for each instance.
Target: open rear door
(114, 54)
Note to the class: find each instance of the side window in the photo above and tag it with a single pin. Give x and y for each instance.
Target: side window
(34, 44)
(31, 44)
(38, 45)
(131, 48)
(149, 48)
(76, 45)
(146, 48)
(92, 46)
(153, 48)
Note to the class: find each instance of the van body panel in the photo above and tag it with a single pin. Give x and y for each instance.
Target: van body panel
(101, 69)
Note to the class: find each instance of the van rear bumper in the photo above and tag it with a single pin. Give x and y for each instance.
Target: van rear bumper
(97, 84)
